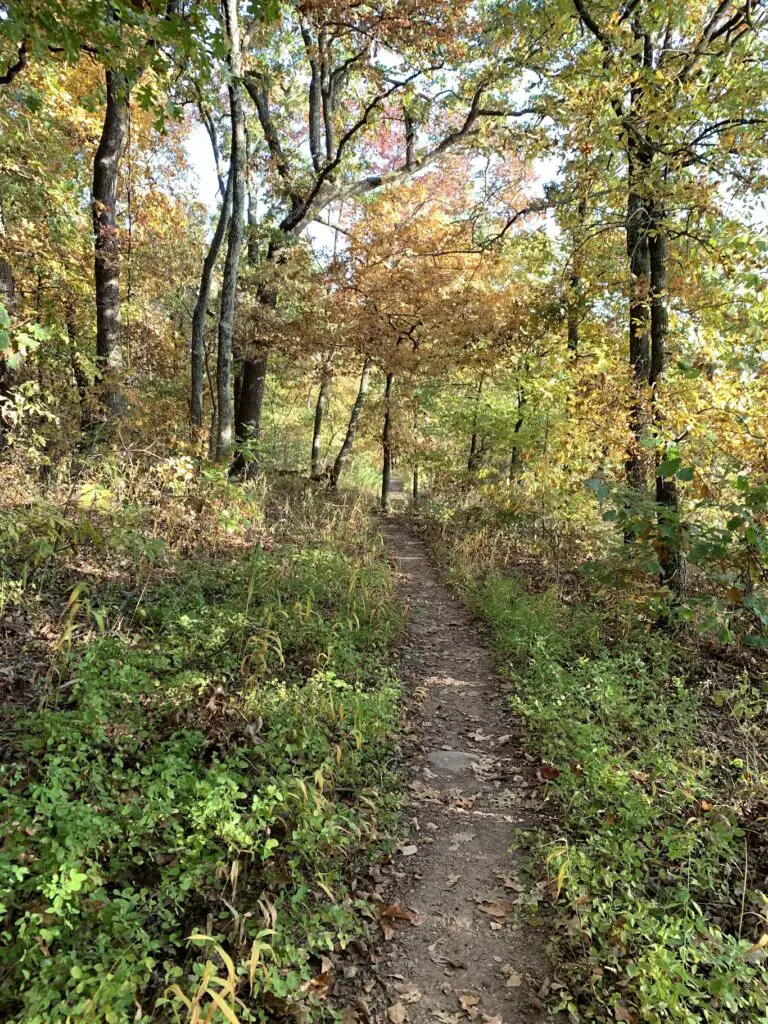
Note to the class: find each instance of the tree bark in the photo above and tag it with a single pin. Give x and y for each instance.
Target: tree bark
(8, 299)
(248, 418)
(415, 486)
(109, 355)
(234, 237)
(475, 449)
(639, 332)
(514, 461)
(250, 406)
(349, 439)
(386, 443)
(316, 468)
(201, 308)
(671, 557)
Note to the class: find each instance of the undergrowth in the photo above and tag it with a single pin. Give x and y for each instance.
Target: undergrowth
(190, 785)
(656, 758)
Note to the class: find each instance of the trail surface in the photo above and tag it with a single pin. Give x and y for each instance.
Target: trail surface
(462, 949)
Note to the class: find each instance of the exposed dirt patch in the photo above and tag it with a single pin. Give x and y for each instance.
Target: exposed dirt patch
(459, 942)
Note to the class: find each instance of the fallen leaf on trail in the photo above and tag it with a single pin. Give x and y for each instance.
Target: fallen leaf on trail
(396, 1013)
(467, 999)
(547, 772)
(349, 1015)
(621, 1013)
(387, 931)
(317, 987)
(408, 851)
(514, 980)
(510, 883)
(497, 908)
(397, 912)
(495, 926)
(451, 881)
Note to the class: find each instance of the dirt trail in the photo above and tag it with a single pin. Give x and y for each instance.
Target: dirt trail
(468, 953)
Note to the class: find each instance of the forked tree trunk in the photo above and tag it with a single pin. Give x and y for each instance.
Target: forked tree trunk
(251, 404)
(386, 443)
(234, 238)
(316, 468)
(201, 308)
(109, 355)
(349, 439)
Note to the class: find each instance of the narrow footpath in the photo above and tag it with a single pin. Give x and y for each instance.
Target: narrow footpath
(460, 945)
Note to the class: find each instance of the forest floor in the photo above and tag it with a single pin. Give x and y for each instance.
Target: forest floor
(462, 942)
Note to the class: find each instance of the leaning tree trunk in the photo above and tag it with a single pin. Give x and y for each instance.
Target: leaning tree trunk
(106, 168)
(671, 557)
(201, 308)
(349, 439)
(316, 468)
(234, 239)
(386, 443)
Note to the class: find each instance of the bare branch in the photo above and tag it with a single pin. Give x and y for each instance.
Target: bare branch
(14, 69)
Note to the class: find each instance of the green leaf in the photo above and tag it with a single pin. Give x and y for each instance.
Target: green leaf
(669, 467)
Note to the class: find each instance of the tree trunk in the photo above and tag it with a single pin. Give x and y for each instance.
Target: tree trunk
(639, 324)
(415, 486)
(8, 300)
(248, 417)
(234, 238)
(109, 355)
(475, 451)
(514, 461)
(315, 471)
(349, 439)
(386, 443)
(671, 557)
(254, 382)
(201, 308)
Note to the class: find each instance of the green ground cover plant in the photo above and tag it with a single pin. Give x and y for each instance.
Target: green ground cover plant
(205, 768)
(655, 757)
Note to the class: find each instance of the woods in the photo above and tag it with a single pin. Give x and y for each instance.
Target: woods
(271, 274)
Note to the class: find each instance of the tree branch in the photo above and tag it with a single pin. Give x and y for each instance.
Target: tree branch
(14, 69)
